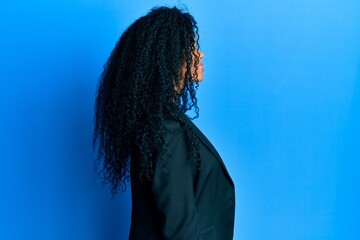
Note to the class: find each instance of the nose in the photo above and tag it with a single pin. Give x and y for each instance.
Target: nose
(201, 55)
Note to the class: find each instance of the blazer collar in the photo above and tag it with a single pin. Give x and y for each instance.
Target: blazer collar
(208, 144)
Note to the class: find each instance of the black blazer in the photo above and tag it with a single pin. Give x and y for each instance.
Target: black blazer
(186, 203)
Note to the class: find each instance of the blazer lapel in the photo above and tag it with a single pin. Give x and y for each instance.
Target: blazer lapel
(208, 144)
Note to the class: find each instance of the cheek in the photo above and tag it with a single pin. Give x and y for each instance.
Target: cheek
(183, 71)
(193, 69)
(200, 75)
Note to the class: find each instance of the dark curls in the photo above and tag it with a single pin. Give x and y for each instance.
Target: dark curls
(139, 89)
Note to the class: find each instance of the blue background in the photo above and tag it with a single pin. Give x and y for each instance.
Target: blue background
(280, 101)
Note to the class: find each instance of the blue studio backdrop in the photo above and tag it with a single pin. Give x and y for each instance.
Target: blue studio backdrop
(280, 101)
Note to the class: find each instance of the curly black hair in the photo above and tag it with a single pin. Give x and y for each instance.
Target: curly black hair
(139, 88)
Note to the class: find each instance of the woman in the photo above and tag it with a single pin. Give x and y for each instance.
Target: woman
(180, 186)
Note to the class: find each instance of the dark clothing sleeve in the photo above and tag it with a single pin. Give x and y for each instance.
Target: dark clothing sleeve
(173, 190)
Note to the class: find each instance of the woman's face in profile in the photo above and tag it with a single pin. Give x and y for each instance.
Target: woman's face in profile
(199, 68)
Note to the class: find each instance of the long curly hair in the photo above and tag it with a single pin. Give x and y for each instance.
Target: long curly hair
(141, 85)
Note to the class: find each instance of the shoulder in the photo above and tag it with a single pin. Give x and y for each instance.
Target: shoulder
(172, 125)
(174, 133)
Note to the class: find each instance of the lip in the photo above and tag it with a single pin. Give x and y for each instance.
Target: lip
(201, 66)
